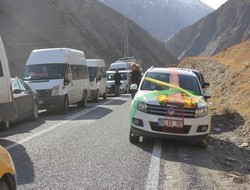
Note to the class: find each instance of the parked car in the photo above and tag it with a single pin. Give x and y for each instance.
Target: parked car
(25, 100)
(110, 82)
(7, 171)
(125, 80)
(178, 111)
(200, 77)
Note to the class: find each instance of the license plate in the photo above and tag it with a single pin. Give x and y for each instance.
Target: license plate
(170, 123)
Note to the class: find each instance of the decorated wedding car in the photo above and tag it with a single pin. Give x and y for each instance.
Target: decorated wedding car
(170, 103)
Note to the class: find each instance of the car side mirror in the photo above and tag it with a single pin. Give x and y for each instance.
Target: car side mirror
(205, 85)
(17, 91)
(133, 87)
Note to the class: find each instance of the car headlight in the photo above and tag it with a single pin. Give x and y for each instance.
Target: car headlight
(142, 106)
(201, 112)
(55, 91)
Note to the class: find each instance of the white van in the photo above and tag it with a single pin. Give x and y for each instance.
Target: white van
(97, 78)
(120, 65)
(7, 107)
(59, 75)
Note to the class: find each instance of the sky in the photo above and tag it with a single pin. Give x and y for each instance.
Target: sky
(215, 4)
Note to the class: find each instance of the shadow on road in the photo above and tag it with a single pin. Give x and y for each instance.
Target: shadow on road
(23, 164)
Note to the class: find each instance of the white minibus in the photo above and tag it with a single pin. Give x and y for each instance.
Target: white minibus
(59, 75)
(7, 106)
(97, 78)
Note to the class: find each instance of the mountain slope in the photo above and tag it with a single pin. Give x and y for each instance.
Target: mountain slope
(80, 24)
(162, 18)
(224, 27)
(229, 84)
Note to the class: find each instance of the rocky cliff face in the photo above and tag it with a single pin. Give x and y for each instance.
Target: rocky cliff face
(80, 24)
(223, 28)
(228, 73)
(161, 18)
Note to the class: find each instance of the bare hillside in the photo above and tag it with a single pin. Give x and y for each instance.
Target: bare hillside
(229, 75)
(80, 24)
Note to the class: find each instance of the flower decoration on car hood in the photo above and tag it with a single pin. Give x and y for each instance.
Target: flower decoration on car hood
(188, 101)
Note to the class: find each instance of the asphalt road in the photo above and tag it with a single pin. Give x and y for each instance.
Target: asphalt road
(89, 149)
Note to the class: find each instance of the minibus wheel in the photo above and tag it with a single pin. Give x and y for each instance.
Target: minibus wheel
(83, 102)
(4, 186)
(5, 125)
(105, 95)
(65, 105)
(96, 99)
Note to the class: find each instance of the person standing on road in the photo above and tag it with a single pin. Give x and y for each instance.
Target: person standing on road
(135, 78)
(117, 78)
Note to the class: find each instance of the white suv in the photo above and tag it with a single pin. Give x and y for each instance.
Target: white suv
(169, 103)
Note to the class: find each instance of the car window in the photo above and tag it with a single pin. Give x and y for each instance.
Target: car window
(189, 83)
(15, 85)
(22, 88)
(110, 76)
(124, 76)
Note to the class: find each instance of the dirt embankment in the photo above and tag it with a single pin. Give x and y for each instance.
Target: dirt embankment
(229, 76)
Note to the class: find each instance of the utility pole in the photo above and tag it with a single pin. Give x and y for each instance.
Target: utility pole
(125, 38)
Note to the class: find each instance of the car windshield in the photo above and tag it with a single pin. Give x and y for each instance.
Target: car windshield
(124, 76)
(110, 76)
(44, 71)
(92, 73)
(186, 82)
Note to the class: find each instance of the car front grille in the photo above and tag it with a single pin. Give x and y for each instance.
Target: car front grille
(172, 111)
(43, 93)
(155, 127)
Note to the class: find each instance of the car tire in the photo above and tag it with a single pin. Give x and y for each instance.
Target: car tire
(202, 144)
(65, 107)
(35, 112)
(4, 186)
(5, 125)
(133, 138)
(105, 95)
(83, 102)
(96, 99)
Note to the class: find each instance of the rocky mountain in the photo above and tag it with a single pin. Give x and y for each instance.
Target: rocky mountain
(86, 25)
(230, 89)
(162, 18)
(228, 25)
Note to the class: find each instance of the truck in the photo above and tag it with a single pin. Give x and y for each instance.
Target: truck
(125, 63)
(7, 106)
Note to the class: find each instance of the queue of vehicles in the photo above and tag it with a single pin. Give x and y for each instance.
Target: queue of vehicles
(54, 78)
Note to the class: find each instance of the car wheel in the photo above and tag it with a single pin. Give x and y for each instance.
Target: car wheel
(65, 108)
(83, 102)
(4, 186)
(105, 95)
(202, 144)
(96, 99)
(35, 111)
(133, 138)
(5, 125)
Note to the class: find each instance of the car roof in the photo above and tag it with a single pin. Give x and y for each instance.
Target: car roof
(180, 71)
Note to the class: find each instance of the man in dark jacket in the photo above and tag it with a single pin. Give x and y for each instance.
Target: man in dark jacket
(117, 78)
(135, 78)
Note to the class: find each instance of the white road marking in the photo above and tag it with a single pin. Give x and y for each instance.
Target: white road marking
(154, 167)
(68, 119)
